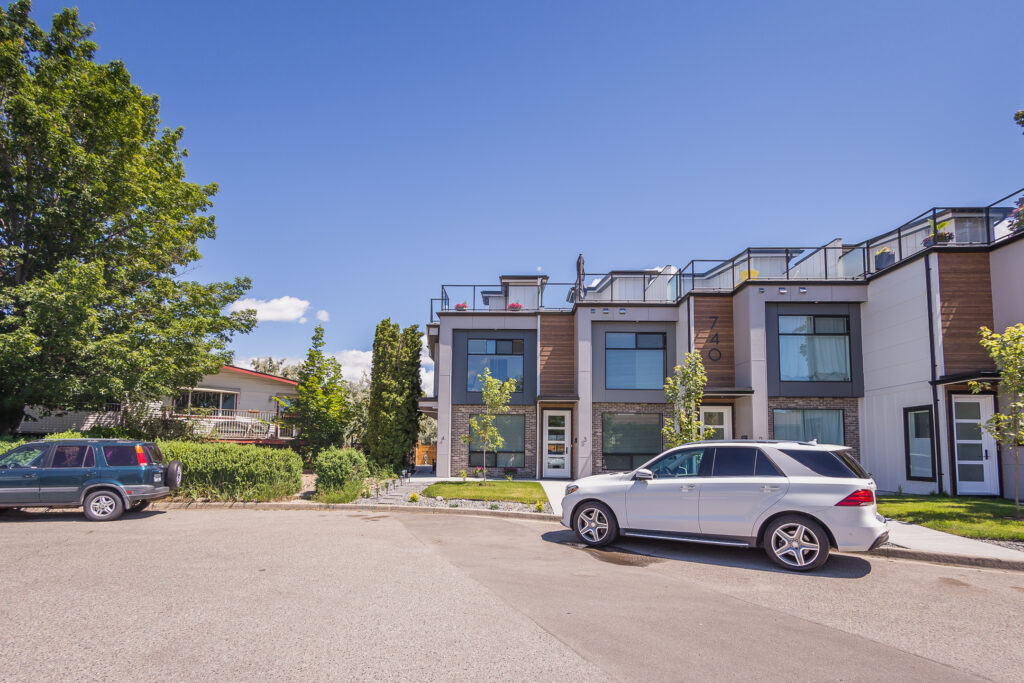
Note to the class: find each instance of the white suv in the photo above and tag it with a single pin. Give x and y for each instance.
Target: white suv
(794, 499)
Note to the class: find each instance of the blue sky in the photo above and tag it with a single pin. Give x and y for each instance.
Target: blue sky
(369, 151)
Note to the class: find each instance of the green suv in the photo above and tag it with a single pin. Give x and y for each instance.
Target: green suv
(103, 476)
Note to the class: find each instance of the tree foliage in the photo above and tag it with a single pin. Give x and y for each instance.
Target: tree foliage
(684, 390)
(392, 417)
(97, 223)
(1007, 425)
(320, 411)
(270, 366)
(482, 431)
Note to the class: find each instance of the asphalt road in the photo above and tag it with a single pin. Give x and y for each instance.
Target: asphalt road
(246, 595)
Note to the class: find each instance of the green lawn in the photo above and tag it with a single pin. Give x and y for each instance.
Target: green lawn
(512, 491)
(963, 516)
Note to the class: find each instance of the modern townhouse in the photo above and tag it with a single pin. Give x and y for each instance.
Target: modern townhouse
(870, 345)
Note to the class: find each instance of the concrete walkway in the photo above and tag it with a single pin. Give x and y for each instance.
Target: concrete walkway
(923, 539)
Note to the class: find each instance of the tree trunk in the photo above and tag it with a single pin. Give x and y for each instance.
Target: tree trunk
(1016, 479)
(10, 418)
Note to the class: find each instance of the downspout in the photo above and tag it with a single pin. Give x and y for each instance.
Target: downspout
(937, 454)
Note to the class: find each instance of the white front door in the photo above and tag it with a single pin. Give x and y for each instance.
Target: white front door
(556, 443)
(976, 463)
(719, 419)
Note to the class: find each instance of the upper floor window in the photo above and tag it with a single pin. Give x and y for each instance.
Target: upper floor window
(814, 348)
(504, 358)
(634, 360)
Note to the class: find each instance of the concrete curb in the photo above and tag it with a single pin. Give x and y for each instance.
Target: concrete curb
(949, 558)
(355, 507)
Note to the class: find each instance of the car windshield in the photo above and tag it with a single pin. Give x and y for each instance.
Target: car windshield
(828, 463)
(29, 455)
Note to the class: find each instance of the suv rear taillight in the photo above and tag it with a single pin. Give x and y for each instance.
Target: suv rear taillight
(141, 456)
(859, 497)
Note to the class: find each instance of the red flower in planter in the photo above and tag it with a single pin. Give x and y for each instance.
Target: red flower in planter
(461, 307)
(514, 307)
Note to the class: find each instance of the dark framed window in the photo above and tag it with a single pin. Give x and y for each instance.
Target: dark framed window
(805, 425)
(917, 443)
(504, 358)
(742, 461)
(209, 401)
(628, 440)
(512, 453)
(828, 464)
(814, 348)
(634, 360)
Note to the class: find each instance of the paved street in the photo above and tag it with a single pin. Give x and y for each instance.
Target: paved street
(245, 595)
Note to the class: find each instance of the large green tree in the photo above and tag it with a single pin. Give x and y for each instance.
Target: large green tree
(392, 417)
(97, 224)
(321, 408)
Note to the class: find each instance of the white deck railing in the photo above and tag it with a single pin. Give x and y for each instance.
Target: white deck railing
(236, 424)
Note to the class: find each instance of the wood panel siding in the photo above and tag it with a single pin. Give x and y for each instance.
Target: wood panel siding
(557, 354)
(713, 337)
(965, 297)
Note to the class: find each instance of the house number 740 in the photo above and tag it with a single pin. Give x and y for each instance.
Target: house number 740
(714, 353)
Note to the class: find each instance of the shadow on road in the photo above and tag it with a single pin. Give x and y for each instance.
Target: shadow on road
(641, 553)
(66, 515)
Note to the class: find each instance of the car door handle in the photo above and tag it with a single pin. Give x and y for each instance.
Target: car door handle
(687, 487)
(28, 476)
(768, 489)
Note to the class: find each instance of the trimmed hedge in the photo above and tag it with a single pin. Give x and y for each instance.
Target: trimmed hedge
(340, 474)
(227, 471)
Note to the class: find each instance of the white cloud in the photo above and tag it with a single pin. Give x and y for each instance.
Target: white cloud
(354, 363)
(323, 316)
(281, 309)
(426, 368)
(302, 320)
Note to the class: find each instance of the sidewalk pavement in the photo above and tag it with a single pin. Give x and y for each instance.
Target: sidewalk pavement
(910, 541)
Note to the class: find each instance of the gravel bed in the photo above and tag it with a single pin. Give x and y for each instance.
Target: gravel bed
(1012, 545)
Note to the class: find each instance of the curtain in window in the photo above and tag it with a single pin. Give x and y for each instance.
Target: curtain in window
(803, 425)
(807, 358)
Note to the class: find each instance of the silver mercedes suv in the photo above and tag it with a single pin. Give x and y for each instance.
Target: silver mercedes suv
(795, 499)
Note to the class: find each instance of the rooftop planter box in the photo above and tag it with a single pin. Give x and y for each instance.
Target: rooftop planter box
(884, 258)
(514, 307)
(461, 307)
(937, 238)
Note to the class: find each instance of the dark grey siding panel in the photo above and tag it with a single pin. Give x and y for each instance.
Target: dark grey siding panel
(776, 387)
(460, 344)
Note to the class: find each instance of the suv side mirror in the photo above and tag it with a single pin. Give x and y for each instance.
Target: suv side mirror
(643, 474)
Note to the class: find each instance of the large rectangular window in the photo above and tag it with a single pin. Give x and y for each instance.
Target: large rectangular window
(917, 423)
(804, 425)
(628, 440)
(512, 453)
(504, 357)
(206, 402)
(814, 348)
(634, 360)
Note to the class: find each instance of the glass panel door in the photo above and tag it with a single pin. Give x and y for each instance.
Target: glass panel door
(976, 471)
(717, 422)
(556, 444)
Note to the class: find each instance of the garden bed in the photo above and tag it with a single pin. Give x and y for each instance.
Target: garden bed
(527, 492)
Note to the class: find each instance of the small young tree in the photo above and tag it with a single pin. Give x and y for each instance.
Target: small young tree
(496, 395)
(320, 411)
(684, 390)
(1007, 426)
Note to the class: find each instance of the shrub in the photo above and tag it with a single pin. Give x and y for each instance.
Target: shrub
(462, 473)
(510, 473)
(340, 473)
(227, 471)
(414, 497)
(538, 507)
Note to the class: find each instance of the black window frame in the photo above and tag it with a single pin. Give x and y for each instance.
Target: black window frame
(931, 440)
(636, 347)
(520, 384)
(492, 456)
(633, 456)
(814, 322)
(842, 421)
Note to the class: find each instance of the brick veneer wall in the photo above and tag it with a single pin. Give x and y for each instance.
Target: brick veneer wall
(601, 408)
(460, 450)
(851, 415)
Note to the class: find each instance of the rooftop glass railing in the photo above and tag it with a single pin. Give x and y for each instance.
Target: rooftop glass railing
(940, 227)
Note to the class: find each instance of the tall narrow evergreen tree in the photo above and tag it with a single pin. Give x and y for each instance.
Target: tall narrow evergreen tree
(392, 419)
